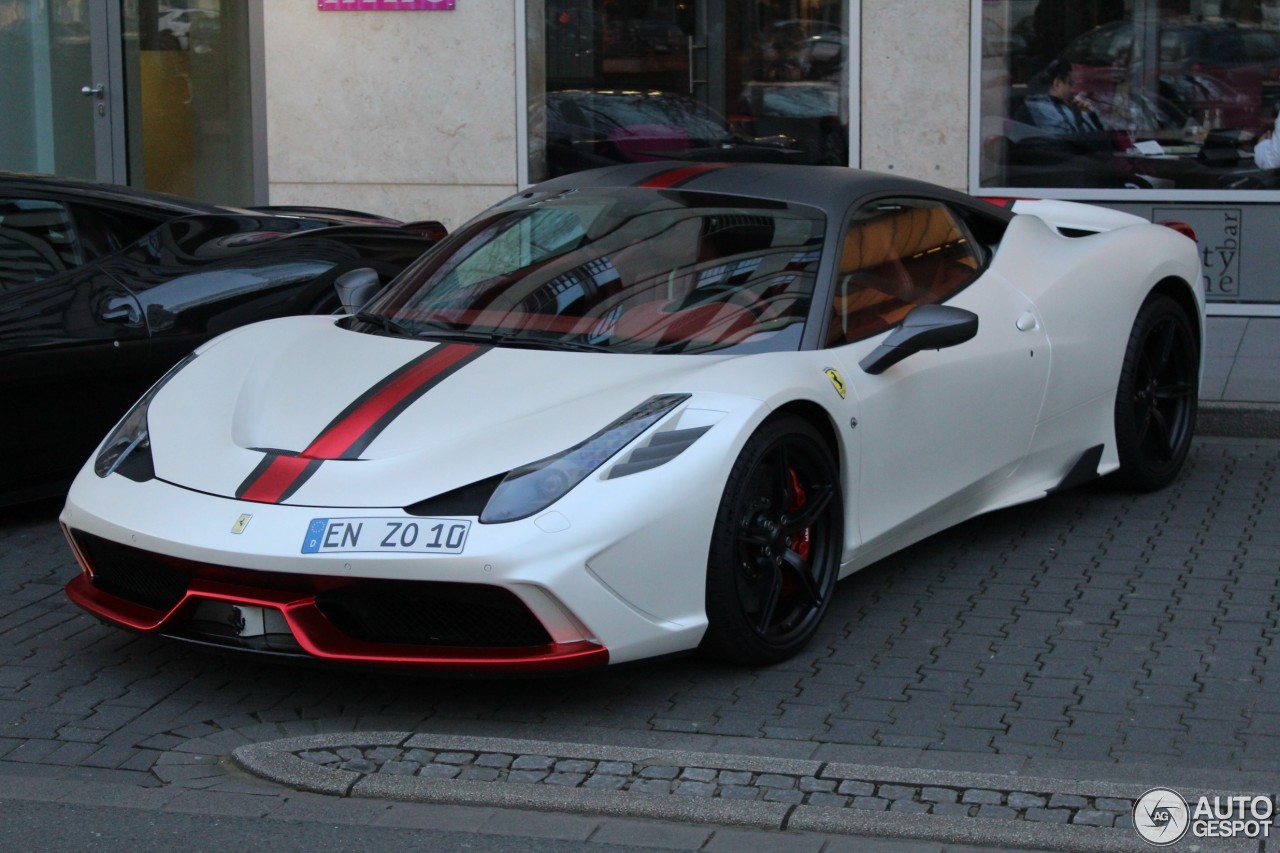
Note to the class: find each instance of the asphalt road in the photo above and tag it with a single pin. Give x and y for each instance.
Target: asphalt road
(1095, 634)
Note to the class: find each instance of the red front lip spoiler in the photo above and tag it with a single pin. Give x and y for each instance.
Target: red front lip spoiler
(319, 638)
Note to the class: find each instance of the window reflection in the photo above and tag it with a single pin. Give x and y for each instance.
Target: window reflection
(632, 270)
(618, 81)
(187, 79)
(1163, 94)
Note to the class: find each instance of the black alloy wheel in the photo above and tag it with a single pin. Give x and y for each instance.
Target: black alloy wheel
(775, 549)
(1157, 396)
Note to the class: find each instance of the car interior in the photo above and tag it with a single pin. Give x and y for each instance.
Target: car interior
(897, 257)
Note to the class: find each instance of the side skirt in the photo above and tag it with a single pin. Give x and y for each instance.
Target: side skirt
(1085, 469)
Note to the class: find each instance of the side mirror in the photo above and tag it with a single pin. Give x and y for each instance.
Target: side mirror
(926, 327)
(356, 287)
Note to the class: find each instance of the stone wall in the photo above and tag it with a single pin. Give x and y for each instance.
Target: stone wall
(407, 114)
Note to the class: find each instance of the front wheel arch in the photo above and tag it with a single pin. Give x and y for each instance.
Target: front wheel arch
(1179, 291)
(776, 544)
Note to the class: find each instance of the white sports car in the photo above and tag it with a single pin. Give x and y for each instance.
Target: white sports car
(639, 411)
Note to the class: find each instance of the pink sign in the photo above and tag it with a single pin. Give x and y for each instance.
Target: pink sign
(367, 5)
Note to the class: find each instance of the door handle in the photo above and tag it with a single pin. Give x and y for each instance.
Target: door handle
(97, 91)
(121, 310)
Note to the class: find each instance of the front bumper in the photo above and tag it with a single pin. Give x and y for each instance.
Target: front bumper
(536, 595)
(352, 621)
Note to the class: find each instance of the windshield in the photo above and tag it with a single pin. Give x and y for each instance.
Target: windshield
(630, 270)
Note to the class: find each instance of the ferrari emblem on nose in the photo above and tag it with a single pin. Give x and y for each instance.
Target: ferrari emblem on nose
(241, 523)
(836, 380)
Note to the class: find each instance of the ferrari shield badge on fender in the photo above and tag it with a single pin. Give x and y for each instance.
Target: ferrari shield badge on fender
(837, 381)
(241, 523)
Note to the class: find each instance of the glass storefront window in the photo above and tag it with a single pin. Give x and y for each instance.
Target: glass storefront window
(1129, 94)
(187, 79)
(616, 81)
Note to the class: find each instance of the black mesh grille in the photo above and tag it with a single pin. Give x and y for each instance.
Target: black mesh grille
(376, 611)
(432, 614)
(132, 574)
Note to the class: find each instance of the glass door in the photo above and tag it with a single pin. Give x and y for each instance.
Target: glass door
(141, 92)
(52, 94)
(187, 94)
(634, 80)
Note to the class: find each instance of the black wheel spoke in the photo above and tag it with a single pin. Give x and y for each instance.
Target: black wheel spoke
(1175, 391)
(1144, 413)
(1161, 341)
(807, 589)
(816, 500)
(768, 592)
(1163, 437)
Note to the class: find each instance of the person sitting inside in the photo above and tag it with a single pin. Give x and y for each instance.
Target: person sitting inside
(1066, 125)
(1266, 154)
(1062, 110)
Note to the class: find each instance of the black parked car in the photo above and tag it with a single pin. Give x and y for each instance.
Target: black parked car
(586, 129)
(104, 288)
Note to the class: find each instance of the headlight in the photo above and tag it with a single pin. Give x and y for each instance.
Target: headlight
(533, 488)
(128, 447)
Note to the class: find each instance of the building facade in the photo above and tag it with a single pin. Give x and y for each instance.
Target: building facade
(1162, 109)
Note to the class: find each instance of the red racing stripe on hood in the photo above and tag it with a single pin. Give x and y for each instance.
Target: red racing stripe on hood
(276, 477)
(361, 422)
(281, 473)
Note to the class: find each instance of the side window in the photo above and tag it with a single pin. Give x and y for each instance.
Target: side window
(898, 254)
(103, 230)
(37, 240)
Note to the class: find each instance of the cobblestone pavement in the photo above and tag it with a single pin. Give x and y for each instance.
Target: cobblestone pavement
(1091, 635)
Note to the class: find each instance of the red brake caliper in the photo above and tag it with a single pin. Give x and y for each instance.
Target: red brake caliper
(799, 542)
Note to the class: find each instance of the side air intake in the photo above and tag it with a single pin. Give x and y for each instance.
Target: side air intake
(664, 447)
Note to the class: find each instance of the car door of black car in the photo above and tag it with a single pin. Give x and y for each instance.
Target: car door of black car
(73, 347)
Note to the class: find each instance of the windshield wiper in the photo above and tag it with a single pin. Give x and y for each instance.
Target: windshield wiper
(386, 324)
(468, 335)
(551, 343)
(513, 339)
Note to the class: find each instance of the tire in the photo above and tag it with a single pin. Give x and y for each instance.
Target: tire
(1157, 396)
(776, 545)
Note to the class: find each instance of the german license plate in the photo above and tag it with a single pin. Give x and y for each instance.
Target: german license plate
(381, 535)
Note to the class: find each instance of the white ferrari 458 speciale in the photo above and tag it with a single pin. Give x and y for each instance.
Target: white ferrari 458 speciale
(638, 411)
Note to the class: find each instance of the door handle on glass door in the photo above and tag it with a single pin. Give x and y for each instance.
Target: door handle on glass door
(97, 91)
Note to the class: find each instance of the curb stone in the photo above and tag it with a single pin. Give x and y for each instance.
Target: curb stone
(1238, 420)
(1095, 816)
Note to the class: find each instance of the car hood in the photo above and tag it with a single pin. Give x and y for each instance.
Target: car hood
(381, 421)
